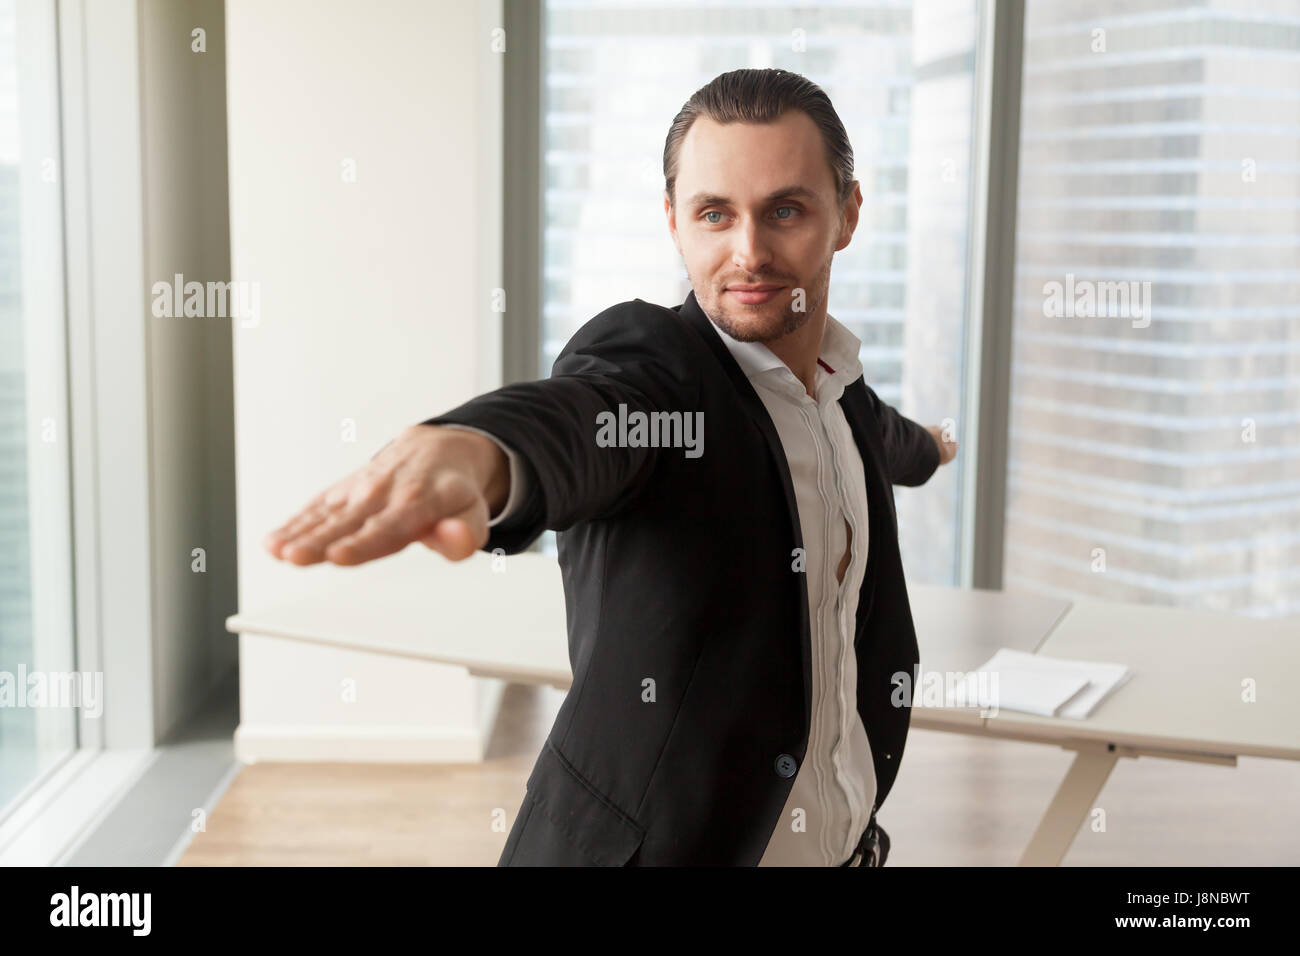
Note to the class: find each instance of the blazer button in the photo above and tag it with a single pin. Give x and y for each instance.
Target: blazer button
(786, 766)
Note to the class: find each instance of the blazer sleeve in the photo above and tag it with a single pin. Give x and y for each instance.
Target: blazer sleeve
(911, 454)
(632, 354)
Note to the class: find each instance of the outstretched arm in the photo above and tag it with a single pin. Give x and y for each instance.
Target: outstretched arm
(439, 485)
(912, 452)
(435, 485)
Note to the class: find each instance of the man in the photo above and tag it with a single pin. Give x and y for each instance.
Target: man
(719, 475)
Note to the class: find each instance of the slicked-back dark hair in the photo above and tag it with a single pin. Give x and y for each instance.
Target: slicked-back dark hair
(762, 96)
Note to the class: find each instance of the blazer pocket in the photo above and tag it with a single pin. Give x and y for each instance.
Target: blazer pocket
(568, 805)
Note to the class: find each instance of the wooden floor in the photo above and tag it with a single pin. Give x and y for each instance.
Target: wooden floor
(959, 801)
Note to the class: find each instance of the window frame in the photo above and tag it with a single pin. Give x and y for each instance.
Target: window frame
(94, 83)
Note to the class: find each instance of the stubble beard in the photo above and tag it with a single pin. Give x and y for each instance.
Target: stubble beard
(740, 325)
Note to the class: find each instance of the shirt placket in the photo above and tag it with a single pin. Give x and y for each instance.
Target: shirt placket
(807, 408)
(829, 488)
(842, 638)
(833, 639)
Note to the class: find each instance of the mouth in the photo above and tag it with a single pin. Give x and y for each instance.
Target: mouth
(753, 294)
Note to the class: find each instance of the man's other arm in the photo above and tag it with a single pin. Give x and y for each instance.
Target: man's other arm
(912, 451)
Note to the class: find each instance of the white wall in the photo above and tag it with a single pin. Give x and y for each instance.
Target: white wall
(374, 310)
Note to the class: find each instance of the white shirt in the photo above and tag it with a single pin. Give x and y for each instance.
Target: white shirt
(831, 801)
(835, 787)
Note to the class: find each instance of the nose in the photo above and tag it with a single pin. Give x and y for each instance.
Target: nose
(749, 250)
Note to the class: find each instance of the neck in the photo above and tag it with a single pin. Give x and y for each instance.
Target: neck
(799, 349)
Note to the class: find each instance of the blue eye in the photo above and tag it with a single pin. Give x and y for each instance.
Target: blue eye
(791, 208)
(712, 212)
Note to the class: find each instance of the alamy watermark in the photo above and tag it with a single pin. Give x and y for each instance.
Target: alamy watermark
(639, 429)
(77, 908)
(1086, 299)
(53, 689)
(239, 299)
(946, 689)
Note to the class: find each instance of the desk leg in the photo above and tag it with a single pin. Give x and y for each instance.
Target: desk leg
(1069, 808)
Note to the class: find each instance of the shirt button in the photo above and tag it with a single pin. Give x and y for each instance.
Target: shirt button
(786, 766)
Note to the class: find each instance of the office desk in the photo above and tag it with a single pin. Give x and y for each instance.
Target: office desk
(1184, 701)
(958, 629)
(1190, 698)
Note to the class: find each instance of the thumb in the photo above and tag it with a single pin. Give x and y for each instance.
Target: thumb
(457, 536)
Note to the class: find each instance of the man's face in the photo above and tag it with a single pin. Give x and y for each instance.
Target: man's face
(756, 221)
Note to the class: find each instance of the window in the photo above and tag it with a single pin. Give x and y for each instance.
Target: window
(35, 539)
(1155, 411)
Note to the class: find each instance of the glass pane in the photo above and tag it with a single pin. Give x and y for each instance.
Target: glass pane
(1155, 426)
(33, 737)
(901, 78)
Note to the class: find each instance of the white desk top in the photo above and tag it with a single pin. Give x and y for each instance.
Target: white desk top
(1186, 692)
(417, 604)
(959, 629)
(511, 623)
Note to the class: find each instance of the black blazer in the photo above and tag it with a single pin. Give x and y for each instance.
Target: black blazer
(688, 626)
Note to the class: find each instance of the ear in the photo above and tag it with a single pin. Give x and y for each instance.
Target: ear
(852, 207)
(671, 215)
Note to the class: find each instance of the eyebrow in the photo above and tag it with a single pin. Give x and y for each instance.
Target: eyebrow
(785, 192)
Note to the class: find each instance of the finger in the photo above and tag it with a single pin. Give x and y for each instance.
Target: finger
(312, 514)
(310, 547)
(386, 533)
(359, 496)
(296, 526)
(344, 517)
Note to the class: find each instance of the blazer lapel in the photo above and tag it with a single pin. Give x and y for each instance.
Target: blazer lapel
(880, 504)
(695, 317)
